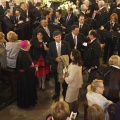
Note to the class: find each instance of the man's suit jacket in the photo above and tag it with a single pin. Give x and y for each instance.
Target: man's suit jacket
(70, 22)
(65, 50)
(3, 56)
(85, 28)
(2, 13)
(51, 29)
(14, 20)
(23, 12)
(80, 39)
(7, 25)
(36, 15)
(92, 54)
(103, 17)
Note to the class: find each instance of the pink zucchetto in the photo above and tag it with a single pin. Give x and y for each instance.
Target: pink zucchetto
(24, 43)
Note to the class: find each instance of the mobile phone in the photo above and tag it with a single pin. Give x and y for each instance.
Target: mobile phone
(73, 115)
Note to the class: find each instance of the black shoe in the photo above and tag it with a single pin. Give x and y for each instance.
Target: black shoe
(55, 96)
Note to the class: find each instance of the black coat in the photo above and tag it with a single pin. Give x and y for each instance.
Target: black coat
(23, 12)
(51, 29)
(85, 28)
(2, 13)
(80, 39)
(65, 50)
(117, 11)
(111, 78)
(26, 84)
(103, 17)
(92, 54)
(36, 15)
(70, 22)
(7, 25)
(36, 50)
(114, 27)
(15, 21)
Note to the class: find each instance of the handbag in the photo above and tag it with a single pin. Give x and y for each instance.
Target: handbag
(65, 71)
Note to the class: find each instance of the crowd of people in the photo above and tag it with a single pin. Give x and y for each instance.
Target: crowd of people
(36, 41)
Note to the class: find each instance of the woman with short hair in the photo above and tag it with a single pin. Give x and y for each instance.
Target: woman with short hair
(111, 78)
(12, 48)
(95, 112)
(60, 111)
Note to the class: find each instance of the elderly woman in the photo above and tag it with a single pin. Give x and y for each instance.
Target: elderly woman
(26, 84)
(12, 48)
(95, 112)
(111, 76)
(74, 80)
(94, 96)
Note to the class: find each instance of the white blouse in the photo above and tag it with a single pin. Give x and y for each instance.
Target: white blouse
(95, 98)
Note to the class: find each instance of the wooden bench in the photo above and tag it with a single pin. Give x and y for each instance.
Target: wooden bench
(10, 77)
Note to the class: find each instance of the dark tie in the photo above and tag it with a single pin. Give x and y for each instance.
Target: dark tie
(74, 39)
(17, 19)
(80, 27)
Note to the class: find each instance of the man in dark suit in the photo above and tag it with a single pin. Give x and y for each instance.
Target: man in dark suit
(103, 16)
(56, 49)
(18, 18)
(3, 8)
(70, 18)
(47, 28)
(92, 55)
(83, 27)
(36, 15)
(7, 24)
(76, 39)
(22, 9)
(117, 11)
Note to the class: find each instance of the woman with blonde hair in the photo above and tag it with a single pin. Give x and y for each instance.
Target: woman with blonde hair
(111, 78)
(95, 112)
(94, 96)
(12, 48)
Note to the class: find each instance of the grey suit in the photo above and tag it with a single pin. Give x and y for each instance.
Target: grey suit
(3, 58)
